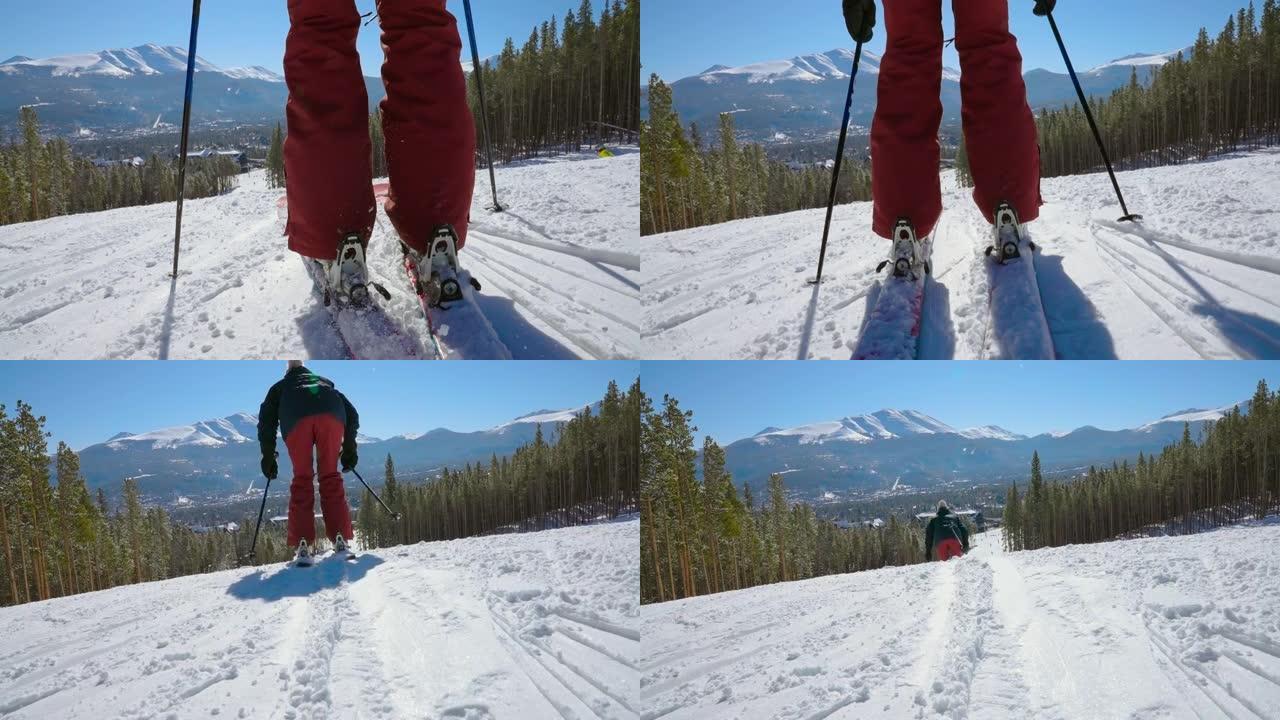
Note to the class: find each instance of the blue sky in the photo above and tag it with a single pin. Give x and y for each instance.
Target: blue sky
(87, 402)
(680, 38)
(733, 400)
(233, 32)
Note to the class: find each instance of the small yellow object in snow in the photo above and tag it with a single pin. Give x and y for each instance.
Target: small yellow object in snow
(604, 152)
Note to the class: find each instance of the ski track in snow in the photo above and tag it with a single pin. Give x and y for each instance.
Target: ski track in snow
(1198, 278)
(560, 269)
(1173, 628)
(539, 625)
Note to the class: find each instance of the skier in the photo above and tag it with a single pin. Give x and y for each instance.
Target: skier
(309, 411)
(946, 536)
(430, 142)
(999, 129)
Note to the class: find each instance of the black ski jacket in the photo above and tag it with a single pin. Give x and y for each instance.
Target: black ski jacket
(300, 394)
(943, 526)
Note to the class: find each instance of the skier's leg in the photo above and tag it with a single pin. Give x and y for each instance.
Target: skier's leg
(327, 151)
(904, 134)
(333, 497)
(431, 136)
(999, 129)
(302, 499)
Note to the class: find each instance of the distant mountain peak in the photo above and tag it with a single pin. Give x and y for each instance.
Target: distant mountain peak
(16, 59)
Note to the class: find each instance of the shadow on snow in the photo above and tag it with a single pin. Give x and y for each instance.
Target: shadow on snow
(329, 572)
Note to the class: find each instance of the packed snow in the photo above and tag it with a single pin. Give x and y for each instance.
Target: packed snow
(540, 625)
(1196, 279)
(1172, 628)
(560, 269)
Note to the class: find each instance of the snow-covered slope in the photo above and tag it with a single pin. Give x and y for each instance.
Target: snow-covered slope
(1173, 628)
(560, 270)
(1196, 280)
(540, 625)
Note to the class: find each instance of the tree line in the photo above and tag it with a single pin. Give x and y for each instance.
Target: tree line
(567, 84)
(44, 179)
(683, 185)
(1231, 474)
(587, 473)
(702, 537)
(61, 539)
(1224, 97)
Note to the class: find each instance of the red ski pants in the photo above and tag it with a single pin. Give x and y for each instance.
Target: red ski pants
(948, 549)
(999, 129)
(430, 134)
(324, 433)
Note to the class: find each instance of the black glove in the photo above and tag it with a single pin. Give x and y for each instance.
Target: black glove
(860, 18)
(1044, 7)
(269, 467)
(349, 456)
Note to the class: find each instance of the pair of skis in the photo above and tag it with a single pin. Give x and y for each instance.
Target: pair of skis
(445, 292)
(349, 555)
(1017, 328)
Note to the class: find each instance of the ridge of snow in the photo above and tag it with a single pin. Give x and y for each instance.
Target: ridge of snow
(253, 72)
(805, 68)
(881, 425)
(547, 416)
(1140, 60)
(148, 59)
(1191, 415)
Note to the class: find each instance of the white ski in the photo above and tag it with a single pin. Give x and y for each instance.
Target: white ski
(1016, 324)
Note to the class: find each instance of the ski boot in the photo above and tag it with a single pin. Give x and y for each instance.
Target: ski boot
(347, 276)
(340, 545)
(1008, 235)
(906, 255)
(438, 273)
(303, 557)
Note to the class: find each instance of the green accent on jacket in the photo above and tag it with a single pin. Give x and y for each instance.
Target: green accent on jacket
(302, 394)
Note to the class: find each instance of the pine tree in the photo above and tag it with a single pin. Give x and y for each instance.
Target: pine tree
(275, 159)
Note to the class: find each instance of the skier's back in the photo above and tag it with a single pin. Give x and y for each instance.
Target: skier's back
(311, 413)
(946, 536)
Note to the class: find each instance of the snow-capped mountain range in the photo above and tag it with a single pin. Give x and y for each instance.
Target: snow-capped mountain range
(221, 454)
(139, 87)
(134, 87)
(803, 96)
(149, 59)
(888, 447)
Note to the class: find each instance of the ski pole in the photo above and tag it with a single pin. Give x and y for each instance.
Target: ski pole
(835, 175)
(254, 547)
(484, 114)
(1097, 136)
(394, 514)
(186, 127)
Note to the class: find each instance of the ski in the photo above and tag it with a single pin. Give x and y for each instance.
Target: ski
(1016, 324)
(366, 330)
(891, 329)
(457, 326)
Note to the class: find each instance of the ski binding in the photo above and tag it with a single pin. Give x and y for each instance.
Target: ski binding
(1008, 236)
(907, 254)
(347, 276)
